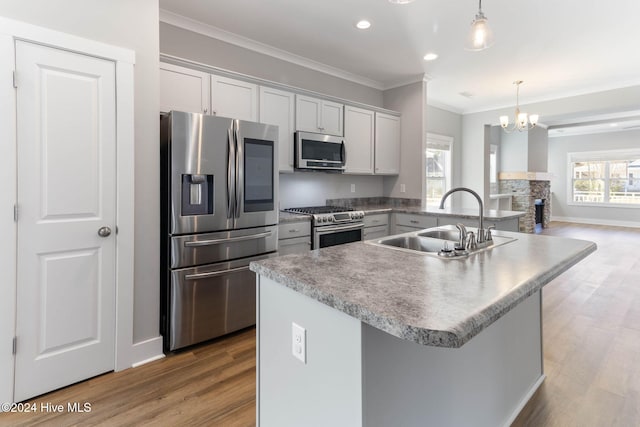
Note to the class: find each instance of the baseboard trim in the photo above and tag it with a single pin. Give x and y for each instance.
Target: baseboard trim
(596, 221)
(146, 351)
(525, 400)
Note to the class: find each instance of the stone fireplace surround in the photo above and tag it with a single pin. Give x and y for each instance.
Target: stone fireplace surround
(526, 187)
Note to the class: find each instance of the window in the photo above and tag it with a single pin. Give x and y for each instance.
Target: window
(605, 178)
(438, 168)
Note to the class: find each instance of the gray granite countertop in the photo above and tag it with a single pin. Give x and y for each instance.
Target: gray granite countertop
(489, 214)
(428, 300)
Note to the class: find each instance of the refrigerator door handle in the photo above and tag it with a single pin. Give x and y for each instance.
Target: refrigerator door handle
(226, 240)
(239, 168)
(231, 174)
(213, 273)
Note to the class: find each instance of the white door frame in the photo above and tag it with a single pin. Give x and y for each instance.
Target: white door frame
(125, 60)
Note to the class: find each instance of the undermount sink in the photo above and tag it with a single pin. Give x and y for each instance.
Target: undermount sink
(441, 234)
(439, 242)
(416, 243)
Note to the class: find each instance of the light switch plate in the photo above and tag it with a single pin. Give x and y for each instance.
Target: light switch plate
(299, 342)
(353, 188)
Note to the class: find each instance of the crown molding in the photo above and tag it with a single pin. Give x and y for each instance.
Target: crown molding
(217, 33)
(409, 80)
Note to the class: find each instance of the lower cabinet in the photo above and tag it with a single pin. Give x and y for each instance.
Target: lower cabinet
(405, 223)
(294, 237)
(376, 226)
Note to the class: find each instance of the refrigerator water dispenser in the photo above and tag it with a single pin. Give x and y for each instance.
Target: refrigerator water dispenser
(197, 195)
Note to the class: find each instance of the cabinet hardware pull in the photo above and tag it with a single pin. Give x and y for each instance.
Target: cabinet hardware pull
(227, 240)
(214, 273)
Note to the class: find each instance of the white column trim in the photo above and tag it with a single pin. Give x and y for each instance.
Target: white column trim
(8, 197)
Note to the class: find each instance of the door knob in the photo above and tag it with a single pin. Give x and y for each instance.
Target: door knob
(104, 232)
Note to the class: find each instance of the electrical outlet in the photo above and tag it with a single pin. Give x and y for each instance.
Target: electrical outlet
(299, 342)
(353, 188)
(403, 188)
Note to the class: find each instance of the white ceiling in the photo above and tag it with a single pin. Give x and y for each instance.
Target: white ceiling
(558, 47)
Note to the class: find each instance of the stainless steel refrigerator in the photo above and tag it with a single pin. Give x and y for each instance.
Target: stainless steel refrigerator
(219, 211)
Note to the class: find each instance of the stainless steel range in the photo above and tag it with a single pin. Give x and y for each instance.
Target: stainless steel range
(333, 225)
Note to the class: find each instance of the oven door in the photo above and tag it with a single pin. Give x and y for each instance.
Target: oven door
(332, 235)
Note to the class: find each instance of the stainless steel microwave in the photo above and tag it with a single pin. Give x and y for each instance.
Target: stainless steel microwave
(316, 151)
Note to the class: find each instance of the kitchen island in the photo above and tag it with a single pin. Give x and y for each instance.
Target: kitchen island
(395, 337)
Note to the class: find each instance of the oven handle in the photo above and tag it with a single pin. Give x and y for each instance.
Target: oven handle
(214, 273)
(226, 240)
(345, 228)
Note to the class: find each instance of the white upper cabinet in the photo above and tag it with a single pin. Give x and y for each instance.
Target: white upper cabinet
(183, 89)
(234, 98)
(277, 108)
(359, 139)
(319, 116)
(387, 143)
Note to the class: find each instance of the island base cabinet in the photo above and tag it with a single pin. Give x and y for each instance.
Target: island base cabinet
(486, 382)
(357, 375)
(324, 391)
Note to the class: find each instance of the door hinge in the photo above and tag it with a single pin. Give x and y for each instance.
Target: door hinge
(15, 213)
(15, 81)
(15, 345)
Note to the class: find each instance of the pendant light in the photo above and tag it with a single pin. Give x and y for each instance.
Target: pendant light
(480, 35)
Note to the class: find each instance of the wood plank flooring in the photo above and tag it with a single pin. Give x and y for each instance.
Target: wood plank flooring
(591, 348)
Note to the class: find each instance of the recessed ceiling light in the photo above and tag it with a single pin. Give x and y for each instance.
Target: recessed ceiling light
(430, 56)
(613, 125)
(363, 25)
(400, 1)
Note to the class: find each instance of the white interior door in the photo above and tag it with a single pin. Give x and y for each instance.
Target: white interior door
(66, 126)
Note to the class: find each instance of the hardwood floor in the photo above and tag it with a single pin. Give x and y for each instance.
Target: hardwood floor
(591, 355)
(591, 338)
(208, 385)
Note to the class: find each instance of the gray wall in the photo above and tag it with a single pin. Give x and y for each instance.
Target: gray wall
(133, 25)
(447, 123)
(558, 149)
(538, 149)
(200, 48)
(513, 155)
(410, 100)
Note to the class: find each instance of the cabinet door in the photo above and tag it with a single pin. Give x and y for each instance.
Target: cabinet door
(378, 232)
(234, 98)
(183, 89)
(294, 246)
(332, 118)
(358, 135)
(387, 144)
(405, 229)
(277, 108)
(308, 111)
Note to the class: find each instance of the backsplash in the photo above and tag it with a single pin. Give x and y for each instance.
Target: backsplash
(301, 189)
(374, 202)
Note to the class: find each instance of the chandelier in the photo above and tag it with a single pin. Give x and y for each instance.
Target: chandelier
(522, 121)
(480, 36)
